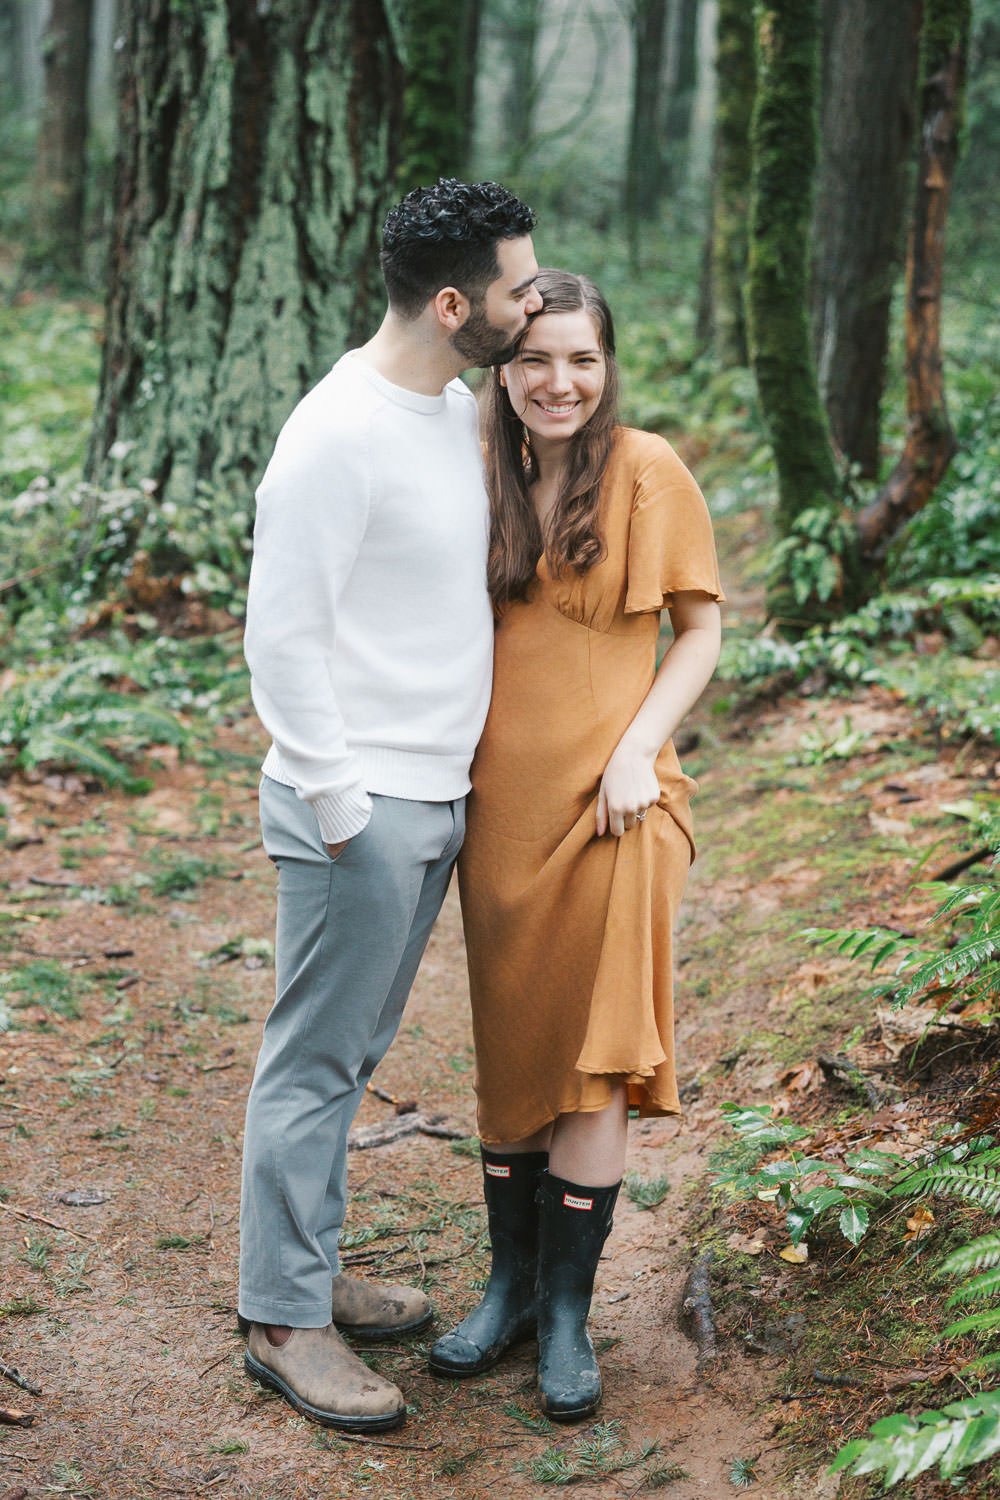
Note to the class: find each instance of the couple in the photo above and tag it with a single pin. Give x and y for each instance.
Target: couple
(382, 559)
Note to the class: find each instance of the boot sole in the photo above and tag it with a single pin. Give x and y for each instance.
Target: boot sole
(463, 1372)
(578, 1414)
(365, 1333)
(344, 1423)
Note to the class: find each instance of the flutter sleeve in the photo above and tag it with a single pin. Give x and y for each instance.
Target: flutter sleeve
(671, 547)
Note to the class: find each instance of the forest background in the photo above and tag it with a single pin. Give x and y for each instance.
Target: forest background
(792, 209)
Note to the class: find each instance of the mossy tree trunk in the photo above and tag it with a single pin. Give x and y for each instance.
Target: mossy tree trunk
(784, 144)
(930, 441)
(644, 162)
(868, 106)
(736, 75)
(255, 161)
(61, 153)
(441, 47)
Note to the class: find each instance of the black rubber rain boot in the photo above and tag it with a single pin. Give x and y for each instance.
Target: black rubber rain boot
(573, 1223)
(506, 1314)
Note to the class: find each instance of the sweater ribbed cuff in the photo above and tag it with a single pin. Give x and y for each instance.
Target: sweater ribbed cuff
(343, 814)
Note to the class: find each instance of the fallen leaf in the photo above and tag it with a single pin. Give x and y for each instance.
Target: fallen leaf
(796, 1255)
(746, 1244)
(800, 1079)
(920, 1222)
(82, 1197)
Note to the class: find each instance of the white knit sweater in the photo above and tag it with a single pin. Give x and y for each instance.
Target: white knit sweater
(369, 630)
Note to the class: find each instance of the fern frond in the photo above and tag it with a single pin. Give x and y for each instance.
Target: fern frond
(978, 1254)
(980, 1286)
(974, 1323)
(978, 1184)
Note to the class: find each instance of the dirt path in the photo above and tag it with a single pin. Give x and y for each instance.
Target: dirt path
(135, 939)
(129, 1082)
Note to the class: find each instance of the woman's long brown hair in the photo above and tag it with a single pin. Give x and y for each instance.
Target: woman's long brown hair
(572, 536)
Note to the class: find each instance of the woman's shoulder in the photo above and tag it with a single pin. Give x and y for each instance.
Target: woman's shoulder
(646, 454)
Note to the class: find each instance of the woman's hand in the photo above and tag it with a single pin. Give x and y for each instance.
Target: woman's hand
(628, 787)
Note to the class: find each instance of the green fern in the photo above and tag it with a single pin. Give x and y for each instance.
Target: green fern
(980, 1286)
(975, 1256)
(977, 1183)
(981, 1322)
(962, 963)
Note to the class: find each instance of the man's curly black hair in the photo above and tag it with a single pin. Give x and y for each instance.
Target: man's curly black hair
(447, 235)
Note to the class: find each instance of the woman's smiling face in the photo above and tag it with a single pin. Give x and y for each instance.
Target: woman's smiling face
(556, 379)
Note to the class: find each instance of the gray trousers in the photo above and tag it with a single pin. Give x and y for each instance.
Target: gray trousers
(351, 932)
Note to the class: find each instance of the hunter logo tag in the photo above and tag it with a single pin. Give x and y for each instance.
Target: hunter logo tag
(492, 1170)
(570, 1200)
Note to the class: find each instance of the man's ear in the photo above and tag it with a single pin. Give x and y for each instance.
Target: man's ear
(451, 308)
(503, 376)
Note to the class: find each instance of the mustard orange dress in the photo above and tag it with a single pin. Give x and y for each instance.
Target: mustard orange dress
(569, 935)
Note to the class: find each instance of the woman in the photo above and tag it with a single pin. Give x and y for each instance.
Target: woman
(579, 834)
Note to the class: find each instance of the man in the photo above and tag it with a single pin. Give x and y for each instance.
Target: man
(369, 640)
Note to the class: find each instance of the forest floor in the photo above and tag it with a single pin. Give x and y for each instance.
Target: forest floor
(135, 933)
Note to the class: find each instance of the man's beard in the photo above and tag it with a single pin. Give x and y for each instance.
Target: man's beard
(481, 344)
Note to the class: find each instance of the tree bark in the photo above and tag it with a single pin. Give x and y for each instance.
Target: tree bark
(522, 22)
(255, 160)
(784, 156)
(930, 441)
(644, 165)
(869, 99)
(679, 90)
(441, 45)
(731, 179)
(61, 152)
(472, 33)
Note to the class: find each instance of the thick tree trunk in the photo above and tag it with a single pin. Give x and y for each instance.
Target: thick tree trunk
(784, 157)
(61, 152)
(680, 87)
(522, 23)
(472, 30)
(731, 178)
(930, 441)
(869, 99)
(21, 25)
(441, 41)
(255, 160)
(644, 165)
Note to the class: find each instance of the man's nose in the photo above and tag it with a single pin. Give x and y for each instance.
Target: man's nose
(533, 301)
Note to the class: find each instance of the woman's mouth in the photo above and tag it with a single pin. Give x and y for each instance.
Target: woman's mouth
(557, 409)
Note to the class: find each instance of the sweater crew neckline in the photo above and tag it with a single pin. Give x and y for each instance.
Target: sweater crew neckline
(397, 394)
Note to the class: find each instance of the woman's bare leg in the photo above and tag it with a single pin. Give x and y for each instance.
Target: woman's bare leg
(587, 1148)
(590, 1148)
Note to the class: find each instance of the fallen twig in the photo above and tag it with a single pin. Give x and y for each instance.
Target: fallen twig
(12, 583)
(696, 1308)
(839, 1069)
(10, 1372)
(54, 885)
(13, 1418)
(360, 1437)
(367, 1136)
(965, 863)
(22, 1213)
(214, 1365)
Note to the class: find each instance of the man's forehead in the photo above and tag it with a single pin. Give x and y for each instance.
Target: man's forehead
(516, 259)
